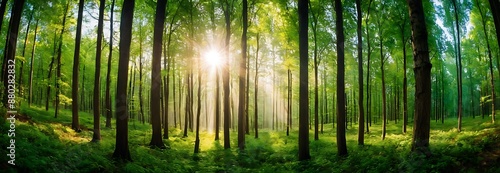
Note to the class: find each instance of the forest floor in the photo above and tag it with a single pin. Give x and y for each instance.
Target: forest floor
(46, 144)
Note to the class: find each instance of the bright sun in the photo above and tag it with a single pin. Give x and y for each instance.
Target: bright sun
(212, 58)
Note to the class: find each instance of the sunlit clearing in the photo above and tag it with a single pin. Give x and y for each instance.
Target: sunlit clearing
(212, 57)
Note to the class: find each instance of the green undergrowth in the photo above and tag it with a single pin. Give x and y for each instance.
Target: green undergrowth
(47, 144)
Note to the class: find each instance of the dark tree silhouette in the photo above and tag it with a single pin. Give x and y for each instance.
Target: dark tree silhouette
(97, 78)
(156, 138)
(422, 71)
(76, 68)
(341, 114)
(121, 146)
(304, 84)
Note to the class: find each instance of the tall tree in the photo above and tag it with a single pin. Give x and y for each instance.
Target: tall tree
(368, 86)
(241, 102)
(361, 129)
(20, 83)
(341, 114)
(10, 53)
(314, 28)
(121, 146)
(256, 88)
(30, 89)
(97, 78)
(58, 67)
(304, 84)
(156, 139)
(492, 82)
(227, 8)
(108, 75)
(76, 68)
(422, 70)
(459, 65)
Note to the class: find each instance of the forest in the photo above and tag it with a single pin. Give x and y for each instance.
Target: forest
(250, 86)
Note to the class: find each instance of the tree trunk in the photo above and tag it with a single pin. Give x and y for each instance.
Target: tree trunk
(156, 138)
(384, 100)
(58, 68)
(341, 116)
(256, 87)
(121, 148)
(361, 123)
(459, 67)
(198, 112)
(225, 73)
(368, 86)
(141, 100)
(108, 75)
(30, 90)
(242, 80)
(97, 79)
(9, 60)
(492, 82)
(217, 103)
(304, 81)
(21, 93)
(76, 67)
(422, 69)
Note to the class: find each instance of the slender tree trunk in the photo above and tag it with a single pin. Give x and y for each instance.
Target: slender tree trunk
(141, 99)
(341, 116)
(217, 103)
(384, 100)
(198, 112)
(304, 78)
(75, 125)
(58, 67)
(97, 79)
(459, 67)
(289, 106)
(242, 80)
(121, 148)
(256, 87)
(156, 138)
(368, 86)
(492, 82)
(10, 47)
(21, 93)
(247, 99)
(108, 75)
(422, 69)
(361, 130)
(227, 9)
(30, 90)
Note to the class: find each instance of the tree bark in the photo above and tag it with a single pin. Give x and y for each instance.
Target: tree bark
(361, 123)
(30, 89)
(492, 81)
(121, 145)
(242, 80)
(341, 115)
(97, 78)
(156, 138)
(76, 68)
(459, 67)
(9, 60)
(108, 75)
(422, 69)
(304, 81)
(58, 68)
